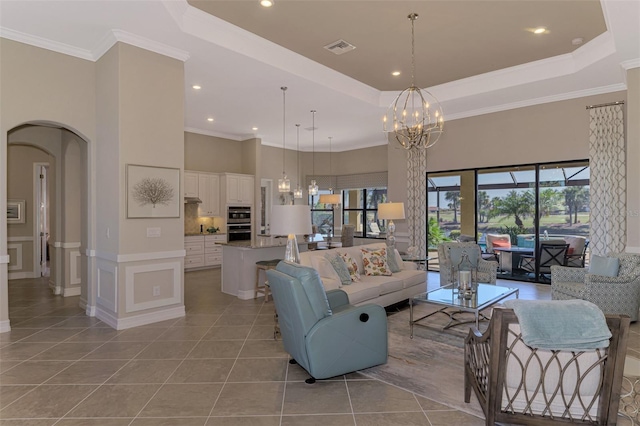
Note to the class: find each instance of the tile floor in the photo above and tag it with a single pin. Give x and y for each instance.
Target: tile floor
(219, 365)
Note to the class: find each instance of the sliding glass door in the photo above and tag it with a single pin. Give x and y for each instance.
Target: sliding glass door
(511, 212)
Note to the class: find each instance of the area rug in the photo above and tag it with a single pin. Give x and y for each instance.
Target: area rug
(432, 363)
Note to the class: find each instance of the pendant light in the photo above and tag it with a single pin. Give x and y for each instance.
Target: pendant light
(298, 192)
(313, 188)
(284, 184)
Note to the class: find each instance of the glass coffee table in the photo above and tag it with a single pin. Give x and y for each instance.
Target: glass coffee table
(447, 297)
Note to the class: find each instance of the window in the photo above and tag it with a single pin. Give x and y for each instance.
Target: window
(360, 208)
(322, 215)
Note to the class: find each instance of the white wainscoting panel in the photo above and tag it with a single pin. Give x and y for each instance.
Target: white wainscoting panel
(18, 264)
(130, 276)
(75, 274)
(107, 289)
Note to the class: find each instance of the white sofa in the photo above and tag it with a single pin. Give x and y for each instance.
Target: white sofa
(382, 290)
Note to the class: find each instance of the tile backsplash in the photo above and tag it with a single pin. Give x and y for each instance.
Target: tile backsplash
(192, 222)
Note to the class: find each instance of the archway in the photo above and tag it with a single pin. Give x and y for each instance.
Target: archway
(66, 152)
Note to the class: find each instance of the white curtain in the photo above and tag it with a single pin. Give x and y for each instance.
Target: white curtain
(608, 180)
(417, 200)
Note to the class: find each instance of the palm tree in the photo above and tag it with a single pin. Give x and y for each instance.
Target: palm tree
(484, 205)
(575, 197)
(548, 199)
(514, 204)
(454, 201)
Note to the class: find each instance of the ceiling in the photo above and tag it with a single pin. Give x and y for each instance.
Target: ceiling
(477, 56)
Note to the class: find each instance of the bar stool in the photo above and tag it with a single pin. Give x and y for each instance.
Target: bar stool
(264, 265)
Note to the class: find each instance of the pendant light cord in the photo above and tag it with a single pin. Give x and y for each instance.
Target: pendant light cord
(284, 89)
(413, 18)
(313, 143)
(298, 152)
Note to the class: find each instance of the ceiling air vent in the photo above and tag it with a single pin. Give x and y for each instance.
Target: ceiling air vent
(339, 47)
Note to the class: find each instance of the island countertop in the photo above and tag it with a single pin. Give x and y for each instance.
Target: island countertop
(268, 241)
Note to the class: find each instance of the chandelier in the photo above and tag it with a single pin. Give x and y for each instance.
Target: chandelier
(415, 116)
(298, 192)
(284, 184)
(313, 188)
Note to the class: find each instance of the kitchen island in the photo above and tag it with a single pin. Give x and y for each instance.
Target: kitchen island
(240, 257)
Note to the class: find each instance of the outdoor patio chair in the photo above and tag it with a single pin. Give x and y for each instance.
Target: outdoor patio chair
(551, 253)
(618, 294)
(487, 270)
(517, 384)
(496, 240)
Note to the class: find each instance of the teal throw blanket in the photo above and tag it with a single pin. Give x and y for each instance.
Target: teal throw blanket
(568, 325)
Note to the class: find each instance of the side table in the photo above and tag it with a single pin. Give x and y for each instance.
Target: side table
(420, 261)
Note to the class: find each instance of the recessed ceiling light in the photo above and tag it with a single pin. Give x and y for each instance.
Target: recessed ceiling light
(195, 86)
(254, 128)
(540, 30)
(266, 3)
(210, 119)
(577, 41)
(395, 73)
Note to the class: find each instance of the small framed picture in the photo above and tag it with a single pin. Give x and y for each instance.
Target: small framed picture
(153, 192)
(15, 211)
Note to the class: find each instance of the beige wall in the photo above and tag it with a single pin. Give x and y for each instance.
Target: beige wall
(633, 160)
(541, 133)
(151, 109)
(212, 154)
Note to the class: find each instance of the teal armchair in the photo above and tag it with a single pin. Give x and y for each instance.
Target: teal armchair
(321, 331)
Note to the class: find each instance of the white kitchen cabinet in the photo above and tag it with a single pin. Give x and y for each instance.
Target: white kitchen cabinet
(209, 193)
(190, 184)
(238, 189)
(203, 251)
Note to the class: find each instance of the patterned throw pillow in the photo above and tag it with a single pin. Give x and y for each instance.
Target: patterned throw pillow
(351, 265)
(340, 267)
(375, 261)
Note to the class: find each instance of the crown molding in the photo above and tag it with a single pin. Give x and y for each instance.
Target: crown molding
(106, 43)
(47, 44)
(213, 133)
(538, 101)
(630, 64)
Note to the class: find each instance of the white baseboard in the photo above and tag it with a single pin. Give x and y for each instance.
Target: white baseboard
(5, 326)
(56, 289)
(22, 275)
(89, 310)
(71, 291)
(138, 320)
(246, 294)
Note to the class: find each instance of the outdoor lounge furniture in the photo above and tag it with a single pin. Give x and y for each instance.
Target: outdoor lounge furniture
(551, 253)
(614, 295)
(495, 240)
(516, 384)
(321, 331)
(487, 270)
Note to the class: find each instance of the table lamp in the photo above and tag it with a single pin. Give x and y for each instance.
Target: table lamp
(291, 220)
(391, 211)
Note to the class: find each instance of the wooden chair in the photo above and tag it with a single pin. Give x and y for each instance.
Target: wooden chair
(517, 384)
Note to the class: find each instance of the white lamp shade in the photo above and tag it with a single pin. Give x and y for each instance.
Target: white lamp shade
(290, 219)
(330, 199)
(391, 211)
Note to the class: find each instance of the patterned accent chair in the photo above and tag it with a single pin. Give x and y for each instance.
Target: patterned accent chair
(614, 295)
(487, 270)
(516, 384)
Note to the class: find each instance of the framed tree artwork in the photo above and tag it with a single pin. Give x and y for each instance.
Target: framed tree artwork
(153, 192)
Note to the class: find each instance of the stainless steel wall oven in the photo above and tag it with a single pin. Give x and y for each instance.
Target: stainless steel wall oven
(239, 226)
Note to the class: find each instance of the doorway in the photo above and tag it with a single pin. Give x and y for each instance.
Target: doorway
(42, 255)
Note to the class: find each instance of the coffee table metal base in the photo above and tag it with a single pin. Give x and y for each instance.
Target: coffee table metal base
(446, 297)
